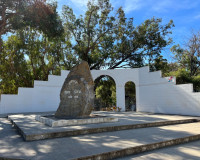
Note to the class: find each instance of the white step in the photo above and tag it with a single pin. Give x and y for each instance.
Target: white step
(185, 87)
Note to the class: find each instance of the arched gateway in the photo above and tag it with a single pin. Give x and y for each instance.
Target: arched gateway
(153, 93)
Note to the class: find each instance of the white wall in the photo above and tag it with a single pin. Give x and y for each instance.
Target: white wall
(153, 93)
(157, 95)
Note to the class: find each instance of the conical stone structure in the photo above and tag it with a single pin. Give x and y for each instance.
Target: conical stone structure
(77, 93)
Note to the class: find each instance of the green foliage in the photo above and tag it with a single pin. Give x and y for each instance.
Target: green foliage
(17, 14)
(108, 39)
(189, 56)
(42, 17)
(103, 37)
(182, 76)
(188, 60)
(160, 64)
(196, 83)
(105, 92)
(130, 95)
(14, 71)
(30, 55)
(93, 33)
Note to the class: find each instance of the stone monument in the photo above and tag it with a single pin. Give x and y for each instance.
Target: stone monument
(76, 101)
(77, 93)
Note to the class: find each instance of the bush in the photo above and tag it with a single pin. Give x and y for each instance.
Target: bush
(196, 83)
(183, 77)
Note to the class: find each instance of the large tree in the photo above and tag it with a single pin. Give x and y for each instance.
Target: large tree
(108, 39)
(17, 14)
(30, 55)
(14, 70)
(102, 37)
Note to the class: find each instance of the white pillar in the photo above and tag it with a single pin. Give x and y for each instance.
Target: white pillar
(137, 98)
(1, 108)
(120, 96)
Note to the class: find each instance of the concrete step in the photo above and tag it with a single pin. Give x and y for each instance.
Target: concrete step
(185, 87)
(105, 145)
(141, 148)
(137, 141)
(111, 145)
(30, 135)
(187, 151)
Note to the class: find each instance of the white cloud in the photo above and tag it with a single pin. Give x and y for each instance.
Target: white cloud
(161, 6)
(169, 5)
(131, 5)
(80, 3)
(128, 5)
(157, 6)
(78, 6)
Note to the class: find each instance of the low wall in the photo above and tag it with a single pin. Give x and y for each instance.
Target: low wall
(153, 93)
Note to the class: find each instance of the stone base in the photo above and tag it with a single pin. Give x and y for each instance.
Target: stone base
(54, 122)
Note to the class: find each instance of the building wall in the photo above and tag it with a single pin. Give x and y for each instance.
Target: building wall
(153, 93)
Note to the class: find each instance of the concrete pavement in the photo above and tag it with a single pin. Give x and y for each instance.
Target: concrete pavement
(188, 151)
(13, 146)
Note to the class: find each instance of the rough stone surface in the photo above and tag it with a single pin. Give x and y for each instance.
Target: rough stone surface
(77, 93)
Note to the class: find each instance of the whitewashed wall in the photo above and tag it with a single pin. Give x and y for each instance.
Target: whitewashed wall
(160, 96)
(153, 93)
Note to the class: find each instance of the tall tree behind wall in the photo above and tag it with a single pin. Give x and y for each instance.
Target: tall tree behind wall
(16, 68)
(188, 59)
(104, 38)
(189, 56)
(30, 55)
(108, 39)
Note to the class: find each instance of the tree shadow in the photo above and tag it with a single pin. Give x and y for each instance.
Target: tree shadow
(188, 151)
(78, 146)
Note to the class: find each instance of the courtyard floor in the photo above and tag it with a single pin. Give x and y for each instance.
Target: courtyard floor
(12, 144)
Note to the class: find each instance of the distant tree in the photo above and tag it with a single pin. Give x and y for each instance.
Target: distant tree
(160, 64)
(105, 91)
(196, 83)
(173, 66)
(189, 56)
(188, 60)
(130, 95)
(182, 76)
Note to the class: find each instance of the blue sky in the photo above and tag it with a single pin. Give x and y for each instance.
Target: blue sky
(184, 13)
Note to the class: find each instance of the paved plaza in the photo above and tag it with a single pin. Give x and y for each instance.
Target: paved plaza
(12, 144)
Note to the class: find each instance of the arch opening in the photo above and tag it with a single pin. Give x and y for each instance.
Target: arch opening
(105, 93)
(130, 96)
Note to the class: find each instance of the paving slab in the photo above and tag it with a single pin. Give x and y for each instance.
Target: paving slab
(13, 146)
